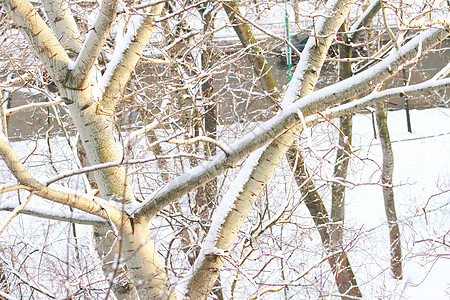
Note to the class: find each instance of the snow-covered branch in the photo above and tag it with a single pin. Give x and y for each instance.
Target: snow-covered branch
(365, 18)
(287, 118)
(87, 203)
(260, 165)
(377, 96)
(443, 72)
(39, 211)
(14, 80)
(125, 58)
(114, 164)
(94, 42)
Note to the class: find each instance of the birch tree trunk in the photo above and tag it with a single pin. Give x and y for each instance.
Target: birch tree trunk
(96, 129)
(388, 192)
(92, 105)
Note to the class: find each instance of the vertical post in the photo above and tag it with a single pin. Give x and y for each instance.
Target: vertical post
(408, 117)
(288, 48)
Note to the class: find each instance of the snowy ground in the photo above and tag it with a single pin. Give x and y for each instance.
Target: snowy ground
(422, 170)
(422, 195)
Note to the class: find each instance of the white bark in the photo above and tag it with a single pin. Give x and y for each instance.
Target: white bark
(58, 215)
(288, 118)
(40, 36)
(63, 25)
(96, 132)
(93, 44)
(125, 59)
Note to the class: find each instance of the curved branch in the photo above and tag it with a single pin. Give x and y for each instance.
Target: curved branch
(63, 195)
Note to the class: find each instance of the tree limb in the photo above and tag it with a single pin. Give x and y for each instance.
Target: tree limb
(93, 44)
(48, 48)
(125, 58)
(65, 216)
(259, 167)
(64, 25)
(63, 195)
(285, 120)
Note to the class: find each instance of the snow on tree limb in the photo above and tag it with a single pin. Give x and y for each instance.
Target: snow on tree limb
(75, 199)
(94, 42)
(365, 18)
(287, 118)
(260, 165)
(58, 215)
(118, 72)
(377, 96)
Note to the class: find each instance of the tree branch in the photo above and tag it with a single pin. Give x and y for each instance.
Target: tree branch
(34, 28)
(365, 19)
(64, 25)
(125, 58)
(248, 41)
(60, 215)
(285, 120)
(63, 195)
(93, 44)
(259, 167)
(14, 110)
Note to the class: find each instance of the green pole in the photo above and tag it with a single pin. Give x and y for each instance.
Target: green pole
(288, 48)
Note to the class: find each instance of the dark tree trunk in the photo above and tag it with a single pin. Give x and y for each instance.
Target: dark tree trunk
(388, 193)
(339, 263)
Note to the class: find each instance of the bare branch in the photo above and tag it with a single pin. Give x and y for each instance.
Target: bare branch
(258, 61)
(18, 109)
(16, 211)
